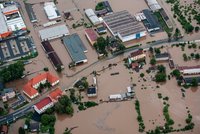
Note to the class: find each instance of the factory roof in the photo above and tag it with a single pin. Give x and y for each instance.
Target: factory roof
(30, 12)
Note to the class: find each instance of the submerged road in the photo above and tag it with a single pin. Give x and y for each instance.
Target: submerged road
(27, 108)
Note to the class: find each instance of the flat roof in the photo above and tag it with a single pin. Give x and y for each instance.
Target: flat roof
(51, 10)
(91, 90)
(124, 23)
(55, 59)
(47, 46)
(162, 55)
(30, 12)
(53, 32)
(4, 27)
(92, 16)
(75, 47)
(151, 19)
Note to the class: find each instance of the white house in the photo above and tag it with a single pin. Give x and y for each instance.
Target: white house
(43, 105)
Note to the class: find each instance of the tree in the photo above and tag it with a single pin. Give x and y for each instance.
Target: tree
(157, 50)
(12, 72)
(161, 68)
(153, 61)
(197, 56)
(176, 73)
(160, 77)
(59, 68)
(196, 29)
(142, 75)
(69, 110)
(21, 130)
(100, 45)
(151, 50)
(194, 82)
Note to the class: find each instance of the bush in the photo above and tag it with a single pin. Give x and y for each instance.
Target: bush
(142, 75)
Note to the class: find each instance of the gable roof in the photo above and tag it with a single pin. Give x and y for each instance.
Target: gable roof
(91, 34)
(29, 90)
(136, 53)
(54, 95)
(43, 103)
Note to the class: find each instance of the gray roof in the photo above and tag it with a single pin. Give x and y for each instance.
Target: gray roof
(6, 90)
(189, 80)
(162, 55)
(152, 22)
(53, 32)
(123, 23)
(30, 12)
(75, 47)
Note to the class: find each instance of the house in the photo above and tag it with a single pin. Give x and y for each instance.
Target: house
(92, 92)
(34, 127)
(92, 17)
(115, 97)
(190, 80)
(7, 94)
(91, 36)
(43, 105)
(162, 57)
(30, 88)
(4, 129)
(55, 94)
(101, 30)
(137, 55)
(187, 70)
(51, 10)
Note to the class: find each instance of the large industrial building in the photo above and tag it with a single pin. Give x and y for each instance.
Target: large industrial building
(51, 10)
(124, 25)
(30, 12)
(53, 32)
(188, 70)
(10, 20)
(75, 48)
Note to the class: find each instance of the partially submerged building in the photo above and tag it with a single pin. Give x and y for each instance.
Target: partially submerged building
(162, 57)
(137, 55)
(153, 5)
(7, 93)
(75, 48)
(52, 55)
(187, 70)
(91, 36)
(43, 105)
(107, 9)
(191, 80)
(30, 12)
(151, 23)
(10, 20)
(55, 94)
(92, 91)
(51, 10)
(30, 88)
(92, 17)
(124, 25)
(53, 32)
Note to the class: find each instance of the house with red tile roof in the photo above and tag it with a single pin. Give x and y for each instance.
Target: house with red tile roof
(55, 94)
(43, 105)
(91, 36)
(30, 88)
(137, 55)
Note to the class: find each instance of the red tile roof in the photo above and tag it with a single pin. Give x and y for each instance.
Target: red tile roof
(28, 88)
(4, 129)
(43, 103)
(136, 53)
(91, 34)
(54, 95)
(188, 67)
(134, 65)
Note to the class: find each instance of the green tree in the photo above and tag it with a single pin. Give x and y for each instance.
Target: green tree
(100, 45)
(153, 61)
(161, 68)
(69, 110)
(21, 130)
(197, 56)
(59, 68)
(194, 82)
(160, 77)
(142, 75)
(176, 73)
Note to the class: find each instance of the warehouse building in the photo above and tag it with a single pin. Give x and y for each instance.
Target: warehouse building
(10, 20)
(53, 32)
(51, 10)
(151, 23)
(30, 12)
(75, 48)
(92, 17)
(52, 55)
(153, 5)
(188, 70)
(124, 25)
(162, 57)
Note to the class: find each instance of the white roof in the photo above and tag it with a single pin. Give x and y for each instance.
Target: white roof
(16, 24)
(3, 28)
(191, 71)
(92, 16)
(10, 8)
(50, 33)
(50, 10)
(153, 4)
(115, 96)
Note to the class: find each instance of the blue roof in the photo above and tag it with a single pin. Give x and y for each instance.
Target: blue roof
(75, 47)
(91, 90)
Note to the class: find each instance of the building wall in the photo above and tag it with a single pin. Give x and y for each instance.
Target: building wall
(10, 95)
(31, 97)
(38, 84)
(56, 82)
(131, 37)
(138, 57)
(42, 110)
